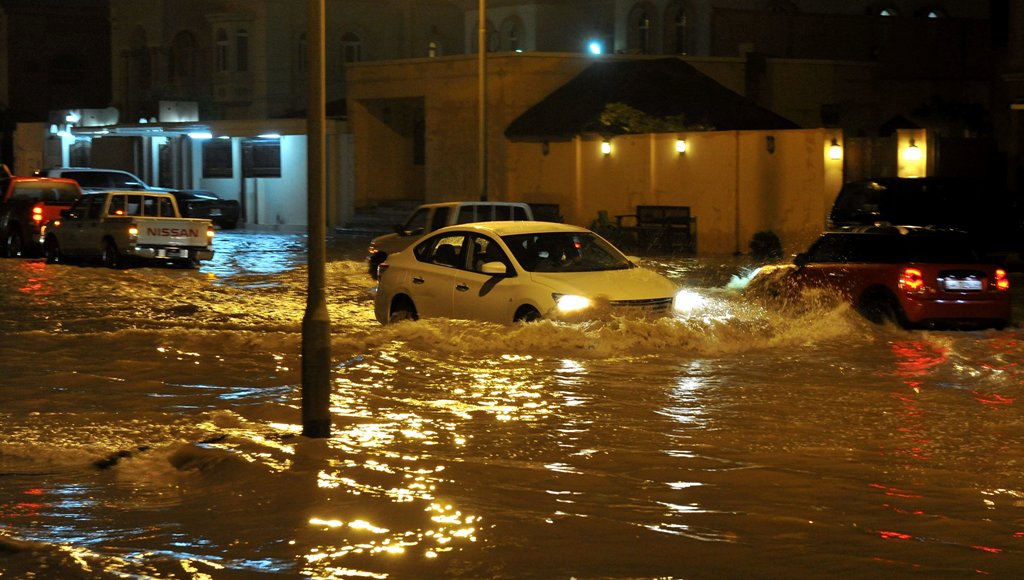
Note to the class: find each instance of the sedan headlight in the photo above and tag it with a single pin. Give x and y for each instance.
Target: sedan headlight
(566, 303)
(687, 301)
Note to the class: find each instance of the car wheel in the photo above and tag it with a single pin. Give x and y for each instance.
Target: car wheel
(881, 307)
(526, 314)
(402, 310)
(13, 247)
(110, 257)
(51, 249)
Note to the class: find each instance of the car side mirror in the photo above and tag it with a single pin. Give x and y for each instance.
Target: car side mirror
(494, 268)
(801, 260)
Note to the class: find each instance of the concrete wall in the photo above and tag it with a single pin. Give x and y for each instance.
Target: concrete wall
(732, 183)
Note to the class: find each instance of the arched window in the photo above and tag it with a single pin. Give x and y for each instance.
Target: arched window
(640, 26)
(242, 50)
(511, 34)
(183, 54)
(351, 48)
(677, 29)
(221, 50)
(493, 39)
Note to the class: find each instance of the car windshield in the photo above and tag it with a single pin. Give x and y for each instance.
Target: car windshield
(565, 252)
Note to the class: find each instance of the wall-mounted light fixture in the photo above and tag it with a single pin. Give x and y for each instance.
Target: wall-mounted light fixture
(680, 146)
(835, 150)
(606, 147)
(912, 152)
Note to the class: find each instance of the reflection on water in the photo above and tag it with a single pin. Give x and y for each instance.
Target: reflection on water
(151, 429)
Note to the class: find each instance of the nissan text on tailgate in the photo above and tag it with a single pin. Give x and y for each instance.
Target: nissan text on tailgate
(123, 226)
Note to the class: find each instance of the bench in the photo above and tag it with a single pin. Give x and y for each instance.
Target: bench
(661, 227)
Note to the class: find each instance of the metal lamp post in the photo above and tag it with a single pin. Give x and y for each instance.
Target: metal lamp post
(482, 97)
(316, 323)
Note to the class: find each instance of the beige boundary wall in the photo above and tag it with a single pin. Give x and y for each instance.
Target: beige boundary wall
(736, 183)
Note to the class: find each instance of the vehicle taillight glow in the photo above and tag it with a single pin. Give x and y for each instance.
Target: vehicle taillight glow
(1002, 282)
(912, 279)
(37, 213)
(209, 232)
(133, 230)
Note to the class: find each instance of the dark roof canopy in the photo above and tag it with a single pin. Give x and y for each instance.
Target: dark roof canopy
(657, 87)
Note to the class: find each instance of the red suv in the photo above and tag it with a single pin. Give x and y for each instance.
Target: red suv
(915, 276)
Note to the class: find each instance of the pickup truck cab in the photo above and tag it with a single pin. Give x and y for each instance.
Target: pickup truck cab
(26, 204)
(122, 226)
(433, 216)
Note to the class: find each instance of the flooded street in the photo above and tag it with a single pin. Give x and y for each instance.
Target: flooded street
(151, 429)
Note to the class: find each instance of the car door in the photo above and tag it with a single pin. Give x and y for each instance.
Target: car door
(487, 297)
(78, 231)
(431, 276)
(828, 263)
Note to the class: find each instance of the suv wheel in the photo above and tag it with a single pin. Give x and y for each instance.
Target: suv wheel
(51, 249)
(13, 247)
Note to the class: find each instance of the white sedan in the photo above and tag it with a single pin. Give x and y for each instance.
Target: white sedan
(516, 272)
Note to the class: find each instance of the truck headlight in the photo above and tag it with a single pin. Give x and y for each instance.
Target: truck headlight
(566, 303)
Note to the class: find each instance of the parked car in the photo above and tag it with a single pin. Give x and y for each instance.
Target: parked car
(969, 204)
(516, 272)
(914, 276)
(199, 203)
(26, 204)
(432, 216)
(96, 179)
(117, 227)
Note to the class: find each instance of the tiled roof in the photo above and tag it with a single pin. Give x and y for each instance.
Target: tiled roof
(658, 87)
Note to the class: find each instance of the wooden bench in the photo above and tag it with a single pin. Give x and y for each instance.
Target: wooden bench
(661, 227)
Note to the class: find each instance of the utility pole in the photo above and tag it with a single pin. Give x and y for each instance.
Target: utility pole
(316, 323)
(481, 60)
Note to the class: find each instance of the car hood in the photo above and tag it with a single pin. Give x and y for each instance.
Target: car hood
(631, 284)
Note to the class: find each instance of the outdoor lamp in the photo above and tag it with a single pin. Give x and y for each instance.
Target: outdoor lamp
(606, 147)
(912, 152)
(835, 151)
(680, 146)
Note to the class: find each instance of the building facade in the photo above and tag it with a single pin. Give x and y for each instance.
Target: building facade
(864, 67)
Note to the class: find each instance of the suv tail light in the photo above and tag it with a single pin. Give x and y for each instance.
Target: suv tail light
(37, 213)
(1002, 282)
(911, 279)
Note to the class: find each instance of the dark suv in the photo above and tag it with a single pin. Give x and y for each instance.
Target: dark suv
(914, 276)
(973, 205)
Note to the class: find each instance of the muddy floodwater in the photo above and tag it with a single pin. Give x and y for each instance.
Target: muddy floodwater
(151, 428)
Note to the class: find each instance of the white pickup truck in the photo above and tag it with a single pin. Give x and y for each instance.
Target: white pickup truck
(121, 226)
(431, 216)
